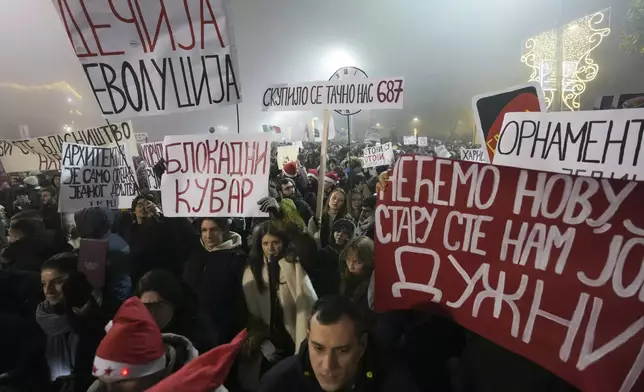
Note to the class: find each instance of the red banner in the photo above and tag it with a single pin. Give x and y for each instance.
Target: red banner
(548, 265)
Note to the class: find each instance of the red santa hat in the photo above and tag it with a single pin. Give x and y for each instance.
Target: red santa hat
(206, 373)
(290, 169)
(132, 347)
(312, 173)
(332, 178)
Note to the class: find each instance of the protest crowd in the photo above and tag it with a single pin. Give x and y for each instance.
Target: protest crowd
(205, 280)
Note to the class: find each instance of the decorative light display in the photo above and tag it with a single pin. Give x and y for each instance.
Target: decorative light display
(63, 86)
(580, 38)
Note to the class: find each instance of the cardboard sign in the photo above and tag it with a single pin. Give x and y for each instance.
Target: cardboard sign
(381, 155)
(349, 95)
(372, 135)
(154, 57)
(95, 176)
(422, 141)
(43, 153)
(596, 143)
(473, 155)
(152, 154)
(442, 151)
(286, 154)
(490, 109)
(546, 265)
(92, 261)
(141, 137)
(409, 140)
(210, 175)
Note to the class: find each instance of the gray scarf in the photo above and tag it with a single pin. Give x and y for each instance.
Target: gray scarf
(61, 340)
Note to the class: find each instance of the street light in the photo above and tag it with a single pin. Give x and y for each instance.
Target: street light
(377, 124)
(415, 118)
(69, 100)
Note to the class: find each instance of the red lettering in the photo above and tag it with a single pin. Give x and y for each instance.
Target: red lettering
(132, 20)
(262, 159)
(250, 156)
(201, 158)
(88, 52)
(212, 21)
(170, 169)
(192, 30)
(234, 195)
(203, 194)
(245, 193)
(224, 156)
(163, 17)
(94, 27)
(179, 194)
(190, 157)
(214, 198)
(237, 163)
(212, 162)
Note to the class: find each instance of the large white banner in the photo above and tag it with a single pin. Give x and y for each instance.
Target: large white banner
(386, 93)
(44, 153)
(378, 156)
(154, 57)
(95, 176)
(598, 143)
(152, 154)
(209, 175)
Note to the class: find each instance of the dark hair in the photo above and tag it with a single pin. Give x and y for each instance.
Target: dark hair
(222, 223)
(163, 282)
(256, 255)
(331, 309)
(65, 263)
(29, 227)
(49, 190)
(27, 214)
(142, 195)
(286, 181)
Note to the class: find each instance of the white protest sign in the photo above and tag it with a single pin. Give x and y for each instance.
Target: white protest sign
(409, 140)
(286, 154)
(44, 153)
(210, 175)
(422, 141)
(378, 156)
(441, 151)
(386, 93)
(598, 143)
(473, 155)
(154, 57)
(95, 176)
(141, 137)
(297, 143)
(372, 135)
(152, 154)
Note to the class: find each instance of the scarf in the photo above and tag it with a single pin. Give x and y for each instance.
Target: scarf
(61, 340)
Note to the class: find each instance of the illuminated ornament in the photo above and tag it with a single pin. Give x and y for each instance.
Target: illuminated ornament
(64, 86)
(125, 372)
(580, 38)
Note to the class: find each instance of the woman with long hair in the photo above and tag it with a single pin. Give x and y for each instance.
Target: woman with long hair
(355, 204)
(336, 208)
(356, 263)
(279, 296)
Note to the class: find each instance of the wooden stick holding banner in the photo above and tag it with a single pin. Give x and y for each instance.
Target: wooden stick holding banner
(129, 169)
(322, 173)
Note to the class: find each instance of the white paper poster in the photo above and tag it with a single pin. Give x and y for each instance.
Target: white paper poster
(286, 154)
(473, 155)
(422, 141)
(595, 143)
(95, 176)
(442, 152)
(409, 140)
(210, 175)
(141, 137)
(152, 154)
(154, 57)
(378, 156)
(44, 153)
(372, 135)
(297, 143)
(387, 93)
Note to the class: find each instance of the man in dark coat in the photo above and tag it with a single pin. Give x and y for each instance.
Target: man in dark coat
(337, 356)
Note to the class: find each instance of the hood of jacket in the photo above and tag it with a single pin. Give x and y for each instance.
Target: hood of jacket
(93, 222)
(234, 241)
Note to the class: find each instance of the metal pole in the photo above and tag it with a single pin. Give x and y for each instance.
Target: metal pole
(349, 153)
(237, 110)
(559, 102)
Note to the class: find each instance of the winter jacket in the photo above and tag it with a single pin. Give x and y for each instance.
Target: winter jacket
(215, 277)
(295, 374)
(96, 223)
(29, 253)
(325, 272)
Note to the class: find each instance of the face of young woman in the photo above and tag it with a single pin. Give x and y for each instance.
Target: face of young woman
(341, 238)
(356, 203)
(354, 264)
(336, 201)
(271, 246)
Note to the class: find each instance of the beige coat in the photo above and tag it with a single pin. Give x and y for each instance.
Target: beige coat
(296, 295)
